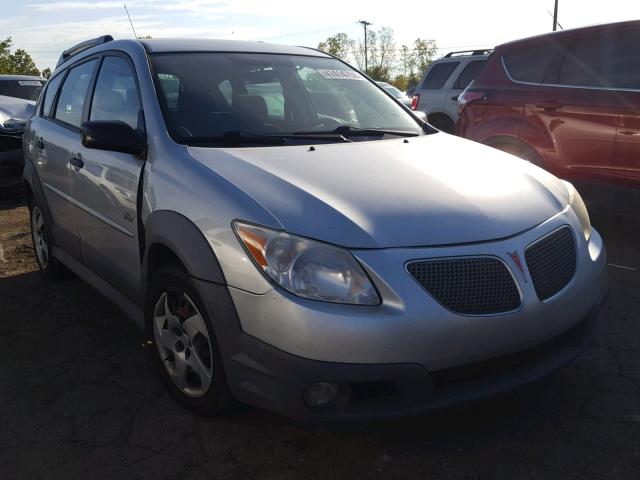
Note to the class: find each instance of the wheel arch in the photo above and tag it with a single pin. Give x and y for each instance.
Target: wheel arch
(515, 146)
(172, 237)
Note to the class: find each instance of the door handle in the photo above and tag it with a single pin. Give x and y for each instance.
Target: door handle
(455, 98)
(629, 132)
(76, 161)
(550, 105)
(40, 143)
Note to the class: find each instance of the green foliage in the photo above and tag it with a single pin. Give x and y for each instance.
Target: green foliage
(401, 66)
(46, 73)
(339, 45)
(17, 63)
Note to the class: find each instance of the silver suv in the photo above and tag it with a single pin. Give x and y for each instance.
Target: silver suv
(437, 92)
(291, 236)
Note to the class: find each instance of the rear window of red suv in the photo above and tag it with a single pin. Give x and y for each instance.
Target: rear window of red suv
(530, 63)
(610, 60)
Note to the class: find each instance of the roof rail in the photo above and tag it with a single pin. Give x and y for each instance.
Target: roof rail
(485, 51)
(76, 49)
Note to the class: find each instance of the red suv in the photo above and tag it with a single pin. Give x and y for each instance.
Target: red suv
(568, 101)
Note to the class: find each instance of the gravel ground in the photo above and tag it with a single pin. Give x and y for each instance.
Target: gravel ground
(79, 399)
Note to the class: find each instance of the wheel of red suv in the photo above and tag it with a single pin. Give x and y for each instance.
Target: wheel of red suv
(519, 149)
(186, 352)
(49, 266)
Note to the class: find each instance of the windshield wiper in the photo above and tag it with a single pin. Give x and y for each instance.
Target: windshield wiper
(235, 137)
(351, 131)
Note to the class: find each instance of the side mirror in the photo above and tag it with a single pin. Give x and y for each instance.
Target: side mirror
(115, 136)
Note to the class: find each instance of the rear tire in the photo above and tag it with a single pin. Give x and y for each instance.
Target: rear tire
(49, 266)
(186, 352)
(443, 123)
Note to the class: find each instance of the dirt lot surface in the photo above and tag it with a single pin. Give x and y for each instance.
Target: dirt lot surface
(79, 399)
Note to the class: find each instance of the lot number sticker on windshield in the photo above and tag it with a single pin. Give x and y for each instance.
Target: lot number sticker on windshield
(340, 75)
(29, 83)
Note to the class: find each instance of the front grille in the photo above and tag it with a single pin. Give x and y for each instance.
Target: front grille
(552, 262)
(470, 286)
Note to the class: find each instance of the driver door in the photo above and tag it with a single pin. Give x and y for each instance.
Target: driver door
(105, 183)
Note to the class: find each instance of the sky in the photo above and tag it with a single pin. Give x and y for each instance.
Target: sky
(46, 27)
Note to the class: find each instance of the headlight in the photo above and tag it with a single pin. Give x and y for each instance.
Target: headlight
(580, 209)
(307, 268)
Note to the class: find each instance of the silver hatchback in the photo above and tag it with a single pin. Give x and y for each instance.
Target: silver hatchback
(292, 237)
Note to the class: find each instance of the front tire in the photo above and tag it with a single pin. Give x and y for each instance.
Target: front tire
(186, 352)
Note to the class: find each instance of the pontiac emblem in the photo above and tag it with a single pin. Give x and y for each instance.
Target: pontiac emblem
(516, 259)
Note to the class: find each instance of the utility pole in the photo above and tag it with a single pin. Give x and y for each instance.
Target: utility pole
(555, 16)
(365, 24)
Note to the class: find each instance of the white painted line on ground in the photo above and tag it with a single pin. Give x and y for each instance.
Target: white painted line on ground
(623, 267)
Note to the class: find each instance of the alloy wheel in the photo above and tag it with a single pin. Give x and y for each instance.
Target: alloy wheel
(40, 239)
(183, 343)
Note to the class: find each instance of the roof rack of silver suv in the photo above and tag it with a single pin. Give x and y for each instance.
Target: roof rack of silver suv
(464, 53)
(76, 49)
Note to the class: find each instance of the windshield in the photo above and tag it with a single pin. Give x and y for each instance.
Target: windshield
(208, 95)
(25, 89)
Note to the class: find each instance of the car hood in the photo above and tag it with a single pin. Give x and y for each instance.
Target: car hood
(430, 190)
(16, 108)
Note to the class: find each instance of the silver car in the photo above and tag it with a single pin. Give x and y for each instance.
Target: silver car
(289, 236)
(18, 94)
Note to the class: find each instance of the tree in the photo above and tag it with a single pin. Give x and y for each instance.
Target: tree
(17, 63)
(424, 51)
(46, 73)
(381, 50)
(339, 45)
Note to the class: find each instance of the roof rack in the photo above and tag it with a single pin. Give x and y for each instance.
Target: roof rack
(463, 53)
(76, 49)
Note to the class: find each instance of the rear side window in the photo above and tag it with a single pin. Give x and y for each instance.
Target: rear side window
(50, 94)
(470, 72)
(611, 60)
(116, 94)
(530, 64)
(74, 94)
(438, 75)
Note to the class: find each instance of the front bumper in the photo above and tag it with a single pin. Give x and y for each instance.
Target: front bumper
(261, 375)
(410, 354)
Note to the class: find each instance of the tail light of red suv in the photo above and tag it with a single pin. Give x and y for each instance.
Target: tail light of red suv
(414, 101)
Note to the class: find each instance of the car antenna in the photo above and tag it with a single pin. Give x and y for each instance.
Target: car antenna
(130, 22)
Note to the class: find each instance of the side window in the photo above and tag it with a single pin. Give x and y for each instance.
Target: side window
(74, 93)
(438, 75)
(170, 85)
(272, 94)
(116, 94)
(530, 64)
(611, 61)
(470, 72)
(50, 94)
(226, 90)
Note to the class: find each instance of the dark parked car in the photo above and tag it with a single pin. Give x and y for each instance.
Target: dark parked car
(18, 94)
(568, 101)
